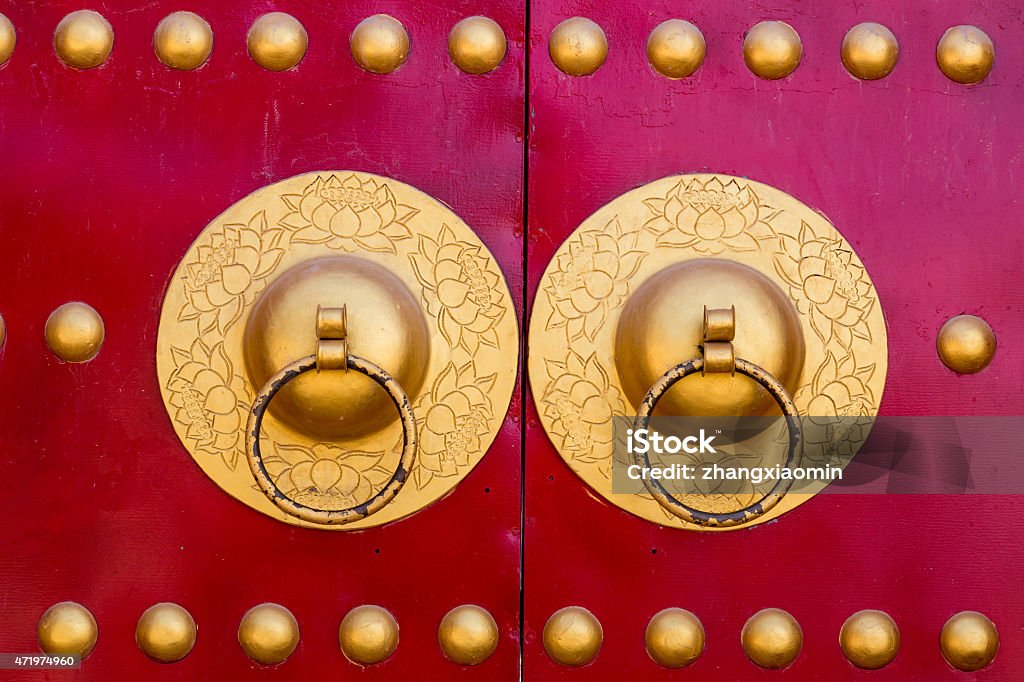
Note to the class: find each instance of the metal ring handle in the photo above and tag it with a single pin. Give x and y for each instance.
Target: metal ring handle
(333, 517)
(750, 512)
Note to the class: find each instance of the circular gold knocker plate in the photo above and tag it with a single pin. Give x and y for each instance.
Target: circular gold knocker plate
(379, 247)
(651, 259)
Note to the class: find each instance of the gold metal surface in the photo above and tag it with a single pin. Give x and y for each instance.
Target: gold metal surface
(772, 639)
(380, 44)
(966, 344)
(870, 639)
(452, 282)
(720, 323)
(969, 641)
(965, 54)
(870, 51)
(183, 41)
(675, 235)
(573, 636)
(67, 628)
(277, 41)
(3, 331)
(477, 45)
(772, 50)
(674, 638)
(83, 39)
(166, 632)
(268, 633)
(386, 326)
(368, 634)
(676, 48)
(578, 46)
(468, 635)
(8, 39)
(75, 332)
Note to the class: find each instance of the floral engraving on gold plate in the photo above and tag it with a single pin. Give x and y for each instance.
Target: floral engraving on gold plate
(463, 297)
(573, 368)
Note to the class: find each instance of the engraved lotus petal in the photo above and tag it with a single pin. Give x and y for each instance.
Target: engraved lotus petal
(325, 473)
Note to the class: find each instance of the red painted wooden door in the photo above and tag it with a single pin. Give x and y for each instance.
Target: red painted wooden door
(106, 177)
(921, 176)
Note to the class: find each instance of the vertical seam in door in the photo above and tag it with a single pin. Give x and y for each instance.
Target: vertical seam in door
(528, 33)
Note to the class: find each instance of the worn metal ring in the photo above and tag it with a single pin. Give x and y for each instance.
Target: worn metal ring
(752, 511)
(332, 517)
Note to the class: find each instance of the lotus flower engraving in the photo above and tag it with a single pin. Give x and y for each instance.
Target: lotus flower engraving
(592, 279)
(347, 214)
(579, 403)
(710, 217)
(839, 410)
(325, 476)
(230, 272)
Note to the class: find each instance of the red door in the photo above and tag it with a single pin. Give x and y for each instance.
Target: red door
(919, 174)
(109, 174)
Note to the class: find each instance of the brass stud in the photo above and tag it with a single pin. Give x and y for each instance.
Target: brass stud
(870, 639)
(477, 45)
(368, 634)
(83, 39)
(966, 344)
(183, 41)
(965, 54)
(969, 641)
(277, 41)
(67, 629)
(75, 332)
(166, 632)
(676, 48)
(468, 635)
(573, 636)
(3, 331)
(772, 50)
(870, 51)
(380, 44)
(578, 46)
(674, 638)
(268, 634)
(772, 639)
(8, 39)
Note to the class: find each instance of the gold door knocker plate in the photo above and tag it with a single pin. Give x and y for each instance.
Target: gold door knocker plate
(428, 310)
(621, 305)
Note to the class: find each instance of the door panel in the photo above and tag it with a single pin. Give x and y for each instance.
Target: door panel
(919, 174)
(108, 176)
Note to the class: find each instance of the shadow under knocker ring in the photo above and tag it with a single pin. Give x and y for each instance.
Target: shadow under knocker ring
(718, 356)
(331, 355)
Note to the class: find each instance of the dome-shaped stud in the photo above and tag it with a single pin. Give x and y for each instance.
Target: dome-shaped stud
(3, 331)
(966, 344)
(676, 48)
(772, 50)
(772, 639)
(166, 632)
(870, 51)
(870, 639)
(268, 634)
(477, 45)
(8, 39)
(965, 54)
(578, 46)
(368, 634)
(969, 641)
(573, 636)
(67, 629)
(75, 332)
(183, 41)
(468, 635)
(83, 39)
(674, 638)
(277, 41)
(380, 44)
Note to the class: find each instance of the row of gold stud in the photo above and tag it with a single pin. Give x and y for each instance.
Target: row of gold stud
(771, 50)
(276, 41)
(75, 332)
(771, 638)
(269, 633)
(577, 46)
